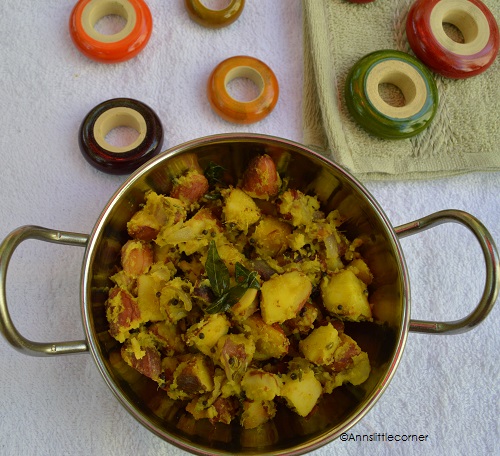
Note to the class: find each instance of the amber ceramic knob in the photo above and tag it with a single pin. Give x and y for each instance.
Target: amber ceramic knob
(242, 112)
(121, 46)
(211, 18)
(111, 114)
(442, 54)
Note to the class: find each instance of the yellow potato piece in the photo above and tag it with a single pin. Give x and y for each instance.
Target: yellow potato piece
(261, 385)
(240, 209)
(345, 296)
(320, 345)
(283, 296)
(206, 333)
(302, 392)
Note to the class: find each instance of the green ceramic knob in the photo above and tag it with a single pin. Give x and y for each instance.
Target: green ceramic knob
(377, 116)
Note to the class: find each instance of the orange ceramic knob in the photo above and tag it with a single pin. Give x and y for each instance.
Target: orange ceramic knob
(242, 112)
(214, 18)
(121, 46)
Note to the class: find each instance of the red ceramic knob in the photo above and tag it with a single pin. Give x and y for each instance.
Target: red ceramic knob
(234, 110)
(121, 46)
(120, 112)
(443, 55)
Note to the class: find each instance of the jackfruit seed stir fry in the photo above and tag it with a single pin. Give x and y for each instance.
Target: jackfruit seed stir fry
(232, 297)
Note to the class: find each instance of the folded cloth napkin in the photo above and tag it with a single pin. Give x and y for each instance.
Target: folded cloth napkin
(464, 135)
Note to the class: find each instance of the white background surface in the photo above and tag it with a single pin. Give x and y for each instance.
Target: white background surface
(446, 386)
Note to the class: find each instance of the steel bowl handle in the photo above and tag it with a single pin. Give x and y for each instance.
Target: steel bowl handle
(491, 259)
(7, 327)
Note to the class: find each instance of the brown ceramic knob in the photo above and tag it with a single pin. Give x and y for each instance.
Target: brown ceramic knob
(114, 113)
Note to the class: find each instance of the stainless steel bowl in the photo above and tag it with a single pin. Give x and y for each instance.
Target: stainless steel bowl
(390, 295)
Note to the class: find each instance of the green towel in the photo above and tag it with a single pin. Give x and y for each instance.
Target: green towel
(464, 136)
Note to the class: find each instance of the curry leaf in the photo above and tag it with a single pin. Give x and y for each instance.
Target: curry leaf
(214, 173)
(227, 300)
(217, 272)
(220, 305)
(219, 278)
(235, 294)
(213, 196)
(246, 278)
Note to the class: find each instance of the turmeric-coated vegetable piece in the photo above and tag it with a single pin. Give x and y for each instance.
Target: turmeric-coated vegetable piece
(190, 187)
(136, 257)
(346, 296)
(240, 210)
(320, 345)
(270, 340)
(301, 389)
(283, 296)
(261, 180)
